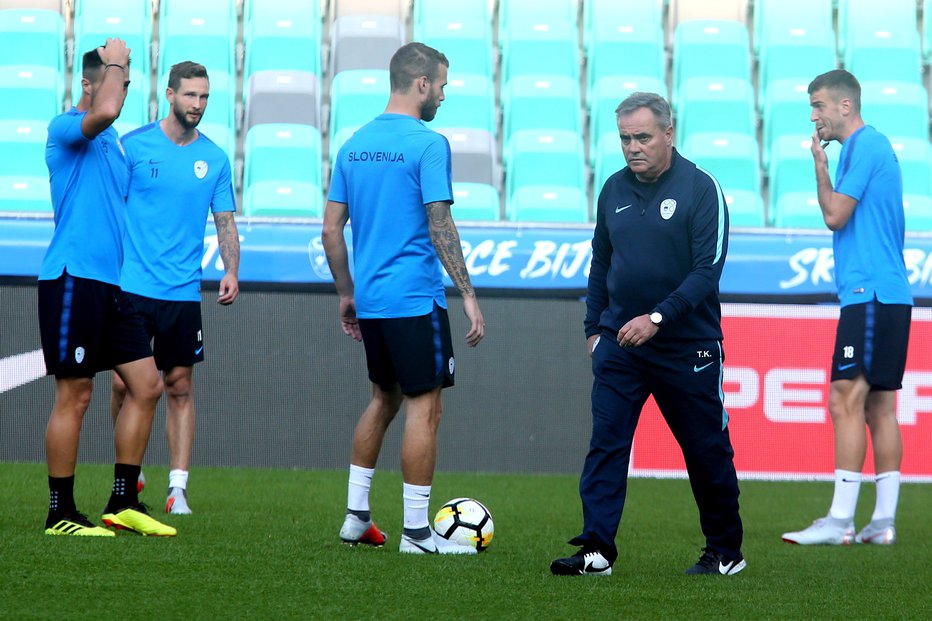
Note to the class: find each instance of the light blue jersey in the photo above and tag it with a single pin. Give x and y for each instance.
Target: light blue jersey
(170, 191)
(386, 173)
(869, 248)
(88, 181)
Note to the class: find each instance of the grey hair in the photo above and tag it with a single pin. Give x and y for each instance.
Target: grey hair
(653, 102)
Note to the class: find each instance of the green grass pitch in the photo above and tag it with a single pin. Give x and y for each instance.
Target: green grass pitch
(263, 545)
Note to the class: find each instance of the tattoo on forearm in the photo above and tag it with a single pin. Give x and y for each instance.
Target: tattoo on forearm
(228, 239)
(446, 240)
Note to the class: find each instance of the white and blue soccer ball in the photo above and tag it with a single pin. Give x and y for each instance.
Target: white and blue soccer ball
(465, 521)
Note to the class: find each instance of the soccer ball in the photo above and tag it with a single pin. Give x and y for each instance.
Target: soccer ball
(465, 521)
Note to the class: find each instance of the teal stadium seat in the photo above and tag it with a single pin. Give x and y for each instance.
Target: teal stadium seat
(30, 92)
(745, 209)
(519, 13)
(795, 53)
(715, 104)
(547, 47)
(32, 37)
(704, 48)
(918, 211)
(896, 108)
(799, 210)
(451, 10)
(541, 102)
(356, 97)
(885, 15)
(220, 8)
(604, 99)
(285, 155)
(608, 160)
(639, 14)
(199, 35)
(224, 137)
(543, 157)
(791, 171)
(785, 15)
(25, 194)
(621, 46)
(732, 158)
(469, 102)
(130, 21)
(915, 156)
(547, 203)
(475, 201)
(786, 112)
(889, 52)
(466, 42)
(283, 35)
(22, 148)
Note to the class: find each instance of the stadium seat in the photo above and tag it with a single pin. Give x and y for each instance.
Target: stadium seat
(467, 43)
(624, 47)
(221, 109)
(715, 105)
(396, 9)
(30, 92)
(896, 108)
(745, 209)
(283, 36)
(451, 10)
(551, 47)
(791, 170)
(469, 102)
(918, 211)
(604, 99)
(282, 152)
(364, 42)
(201, 36)
(474, 156)
(541, 157)
(475, 201)
(130, 21)
(885, 52)
(608, 160)
(222, 136)
(282, 199)
(22, 148)
(794, 53)
(225, 9)
(45, 5)
(915, 156)
(786, 111)
(541, 102)
(547, 203)
(732, 158)
(887, 15)
(32, 37)
(356, 97)
(522, 13)
(705, 48)
(788, 15)
(646, 16)
(282, 97)
(25, 194)
(799, 210)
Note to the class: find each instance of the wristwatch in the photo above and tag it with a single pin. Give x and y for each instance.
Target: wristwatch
(656, 318)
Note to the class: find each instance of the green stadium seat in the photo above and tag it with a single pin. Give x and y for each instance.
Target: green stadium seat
(884, 53)
(542, 157)
(551, 47)
(786, 15)
(32, 37)
(640, 15)
(915, 156)
(30, 92)
(794, 53)
(541, 102)
(604, 98)
(276, 152)
(547, 203)
(284, 36)
(791, 170)
(799, 210)
(475, 201)
(25, 194)
(22, 148)
(893, 15)
(896, 108)
(918, 211)
(732, 158)
(356, 97)
(715, 105)
(283, 198)
(622, 47)
(467, 43)
(745, 209)
(705, 48)
(786, 111)
(521, 13)
(469, 102)
(608, 160)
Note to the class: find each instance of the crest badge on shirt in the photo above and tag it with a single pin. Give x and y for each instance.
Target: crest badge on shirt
(200, 169)
(667, 207)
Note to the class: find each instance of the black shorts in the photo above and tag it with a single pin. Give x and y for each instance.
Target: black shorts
(871, 340)
(175, 330)
(87, 326)
(413, 352)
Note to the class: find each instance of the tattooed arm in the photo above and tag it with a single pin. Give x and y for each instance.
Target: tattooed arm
(446, 240)
(228, 238)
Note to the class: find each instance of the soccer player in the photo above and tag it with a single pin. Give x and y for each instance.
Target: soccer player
(865, 212)
(176, 175)
(87, 324)
(653, 327)
(393, 180)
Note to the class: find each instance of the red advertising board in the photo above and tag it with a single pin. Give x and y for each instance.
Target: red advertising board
(777, 364)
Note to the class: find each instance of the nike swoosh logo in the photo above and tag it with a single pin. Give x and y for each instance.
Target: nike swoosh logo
(420, 547)
(697, 368)
(724, 569)
(845, 367)
(590, 569)
(620, 209)
(197, 352)
(155, 161)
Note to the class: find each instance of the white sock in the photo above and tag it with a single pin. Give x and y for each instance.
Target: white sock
(888, 492)
(178, 478)
(845, 500)
(417, 502)
(360, 480)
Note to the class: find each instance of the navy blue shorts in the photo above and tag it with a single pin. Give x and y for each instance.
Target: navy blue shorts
(175, 329)
(415, 353)
(871, 340)
(88, 326)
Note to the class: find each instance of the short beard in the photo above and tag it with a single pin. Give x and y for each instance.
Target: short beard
(428, 111)
(182, 118)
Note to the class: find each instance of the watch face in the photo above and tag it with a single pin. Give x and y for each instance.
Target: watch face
(656, 318)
